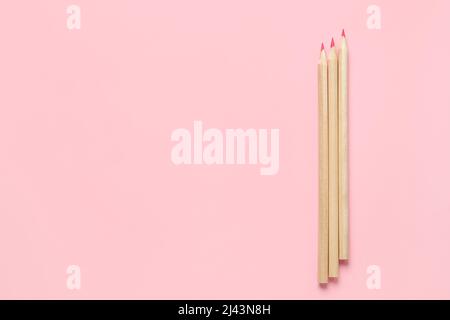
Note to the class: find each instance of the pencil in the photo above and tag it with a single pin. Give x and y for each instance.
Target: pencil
(343, 149)
(333, 206)
(323, 166)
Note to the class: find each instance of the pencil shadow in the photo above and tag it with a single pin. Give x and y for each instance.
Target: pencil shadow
(333, 280)
(323, 286)
(344, 262)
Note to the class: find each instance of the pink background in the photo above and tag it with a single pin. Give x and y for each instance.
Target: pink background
(85, 170)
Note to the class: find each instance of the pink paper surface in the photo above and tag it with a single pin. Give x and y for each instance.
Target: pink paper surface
(85, 171)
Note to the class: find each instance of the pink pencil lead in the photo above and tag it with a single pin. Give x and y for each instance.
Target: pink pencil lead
(322, 47)
(343, 33)
(332, 42)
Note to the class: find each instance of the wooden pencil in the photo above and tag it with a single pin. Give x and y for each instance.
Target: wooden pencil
(322, 86)
(343, 149)
(333, 186)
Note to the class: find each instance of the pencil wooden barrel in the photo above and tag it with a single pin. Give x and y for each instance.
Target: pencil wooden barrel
(323, 166)
(343, 150)
(333, 208)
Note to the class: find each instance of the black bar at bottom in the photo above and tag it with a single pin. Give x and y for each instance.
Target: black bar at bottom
(218, 309)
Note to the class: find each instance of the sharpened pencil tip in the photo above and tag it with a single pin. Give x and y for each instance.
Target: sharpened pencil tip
(322, 47)
(332, 42)
(343, 33)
